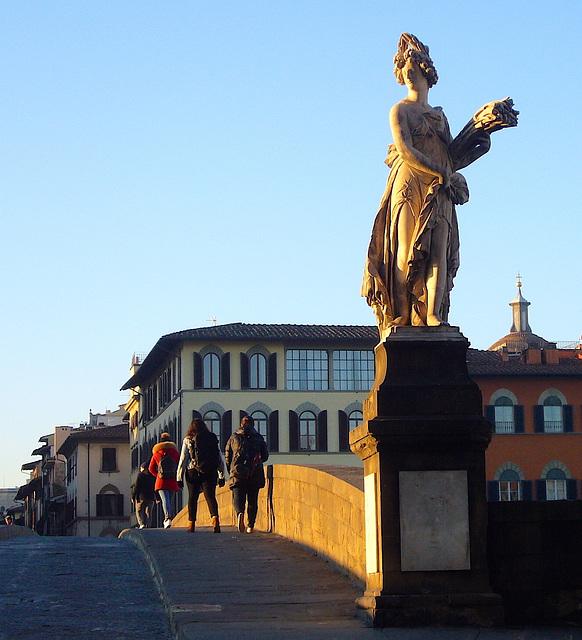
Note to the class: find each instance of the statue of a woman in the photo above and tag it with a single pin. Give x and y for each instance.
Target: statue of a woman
(414, 250)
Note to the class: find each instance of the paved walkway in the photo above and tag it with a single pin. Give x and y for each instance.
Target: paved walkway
(262, 587)
(77, 589)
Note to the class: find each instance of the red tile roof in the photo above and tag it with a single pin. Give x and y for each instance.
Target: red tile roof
(100, 434)
(490, 363)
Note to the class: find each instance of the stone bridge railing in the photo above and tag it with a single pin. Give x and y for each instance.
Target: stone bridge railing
(321, 508)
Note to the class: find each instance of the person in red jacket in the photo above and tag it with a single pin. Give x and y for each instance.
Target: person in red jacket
(164, 465)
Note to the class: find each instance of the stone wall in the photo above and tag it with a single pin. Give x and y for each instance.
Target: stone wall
(320, 508)
(535, 560)
(534, 548)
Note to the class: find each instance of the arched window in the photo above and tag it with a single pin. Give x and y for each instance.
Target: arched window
(211, 369)
(553, 415)
(355, 419)
(261, 422)
(555, 485)
(307, 431)
(509, 486)
(109, 502)
(212, 419)
(258, 371)
(504, 422)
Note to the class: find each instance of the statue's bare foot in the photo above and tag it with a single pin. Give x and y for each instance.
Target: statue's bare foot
(434, 321)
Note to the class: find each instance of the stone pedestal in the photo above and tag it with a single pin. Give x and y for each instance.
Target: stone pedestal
(423, 444)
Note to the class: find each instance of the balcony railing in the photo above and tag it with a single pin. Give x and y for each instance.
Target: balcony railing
(504, 427)
(553, 426)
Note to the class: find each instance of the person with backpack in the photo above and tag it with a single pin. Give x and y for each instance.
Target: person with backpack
(246, 450)
(164, 466)
(143, 496)
(202, 465)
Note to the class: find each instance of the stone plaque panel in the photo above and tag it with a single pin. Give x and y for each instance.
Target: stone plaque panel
(434, 521)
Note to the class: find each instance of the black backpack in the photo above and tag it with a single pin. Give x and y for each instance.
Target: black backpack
(167, 467)
(246, 458)
(203, 447)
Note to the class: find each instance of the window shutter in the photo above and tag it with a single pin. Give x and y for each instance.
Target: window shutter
(541, 489)
(274, 431)
(196, 414)
(538, 420)
(119, 497)
(272, 372)
(322, 431)
(225, 428)
(197, 371)
(344, 431)
(518, 417)
(490, 413)
(568, 418)
(244, 371)
(526, 490)
(571, 489)
(242, 414)
(293, 431)
(493, 491)
(225, 371)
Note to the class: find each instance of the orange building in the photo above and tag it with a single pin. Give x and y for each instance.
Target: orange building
(532, 392)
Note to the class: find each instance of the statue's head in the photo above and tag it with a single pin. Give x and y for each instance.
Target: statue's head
(411, 48)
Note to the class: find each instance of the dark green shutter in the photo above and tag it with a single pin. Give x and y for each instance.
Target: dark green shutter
(293, 431)
(242, 414)
(518, 417)
(541, 490)
(568, 414)
(225, 371)
(272, 372)
(322, 431)
(526, 490)
(493, 491)
(273, 431)
(538, 419)
(225, 428)
(198, 381)
(244, 371)
(344, 431)
(571, 489)
(490, 413)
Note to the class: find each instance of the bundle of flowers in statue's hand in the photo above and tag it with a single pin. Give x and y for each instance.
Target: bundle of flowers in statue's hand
(474, 141)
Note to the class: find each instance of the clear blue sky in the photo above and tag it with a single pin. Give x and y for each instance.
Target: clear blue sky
(165, 162)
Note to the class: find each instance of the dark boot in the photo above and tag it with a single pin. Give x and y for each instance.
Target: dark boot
(191, 526)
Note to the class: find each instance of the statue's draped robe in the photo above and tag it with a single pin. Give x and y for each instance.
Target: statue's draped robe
(432, 206)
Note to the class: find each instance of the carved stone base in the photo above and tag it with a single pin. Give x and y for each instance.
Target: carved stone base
(423, 443)
(451, 610)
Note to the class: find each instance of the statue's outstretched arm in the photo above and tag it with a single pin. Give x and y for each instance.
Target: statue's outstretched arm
(474, 140)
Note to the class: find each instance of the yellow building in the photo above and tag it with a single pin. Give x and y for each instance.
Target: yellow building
(303, 384)
(97, 480)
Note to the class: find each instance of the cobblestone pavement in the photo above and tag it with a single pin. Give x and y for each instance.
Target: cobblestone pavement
(262, 587)
(78, 588)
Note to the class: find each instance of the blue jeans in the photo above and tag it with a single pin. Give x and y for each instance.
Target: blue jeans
(246, 494)
(166, 499)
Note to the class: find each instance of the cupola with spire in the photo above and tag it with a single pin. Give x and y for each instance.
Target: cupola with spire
(520, 338)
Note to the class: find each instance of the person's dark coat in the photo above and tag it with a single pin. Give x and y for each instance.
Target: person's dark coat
(143, 488)
(257, 444)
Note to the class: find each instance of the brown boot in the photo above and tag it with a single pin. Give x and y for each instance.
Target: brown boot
(191, 526)
(215, 524)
